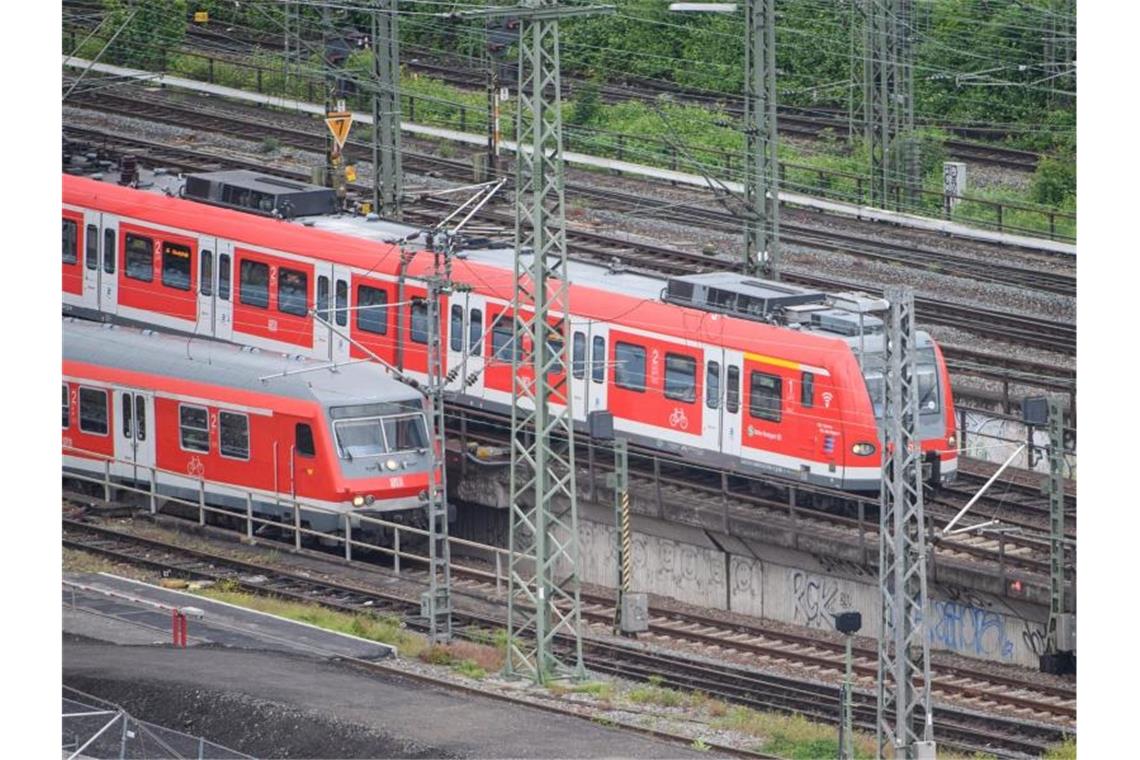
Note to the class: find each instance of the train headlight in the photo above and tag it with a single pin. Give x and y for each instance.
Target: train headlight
(952, 442)
(358, 501)
(392, 464)
(863, 449)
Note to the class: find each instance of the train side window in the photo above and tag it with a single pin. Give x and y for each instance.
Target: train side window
(292, 292)
(139, 258)
(456, 337)
(194, 428)
(475, 333)
(253, 283)
(140, 418)
(176, 266)
(712, 385)
(680, 378)
(91, 248)
(109, 251)
(341, 303)
(224, 276)
(234, 438)
(764, 403)
(732, 390)
(70, 241)
(128, 417)
(629, 366)
(419, 321)
(807, 389)
(303, 440)
(66, 407)
(503, 343)
(598, 359)
(206, 277)
(371, 309)
(93, 412)
(578, 358)
(323, 297)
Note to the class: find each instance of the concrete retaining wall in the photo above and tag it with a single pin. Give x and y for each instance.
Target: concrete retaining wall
(712, 570)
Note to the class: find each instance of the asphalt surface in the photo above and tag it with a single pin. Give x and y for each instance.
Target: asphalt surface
(277, 701)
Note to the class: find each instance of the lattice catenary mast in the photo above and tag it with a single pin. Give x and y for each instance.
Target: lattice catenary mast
(387, 174)
(888, 98)
(761, 174)
(904, 717)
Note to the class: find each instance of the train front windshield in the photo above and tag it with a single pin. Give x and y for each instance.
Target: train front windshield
(377, 436)
(928, 396)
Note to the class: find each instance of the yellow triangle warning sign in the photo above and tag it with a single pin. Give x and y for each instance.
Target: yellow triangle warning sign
(339, 124)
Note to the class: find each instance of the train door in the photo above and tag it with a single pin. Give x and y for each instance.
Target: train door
(108, 272)
(134, 434)
(579, 366)
(713, 400)
(732, 414)
(222, 307)
(331, 301)
(90, 257)
(597, 369)
(207, 282)
(467, 321)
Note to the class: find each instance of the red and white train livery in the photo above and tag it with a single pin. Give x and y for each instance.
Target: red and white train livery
(730, 370)
(240, 422)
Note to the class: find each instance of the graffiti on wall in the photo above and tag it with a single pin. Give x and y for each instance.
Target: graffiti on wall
(816, 598)
(969, 630)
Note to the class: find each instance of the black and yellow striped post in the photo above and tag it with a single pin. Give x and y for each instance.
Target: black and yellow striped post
(620, 482)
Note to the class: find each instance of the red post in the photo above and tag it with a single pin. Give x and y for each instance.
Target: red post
(185, 626)
(178, 628)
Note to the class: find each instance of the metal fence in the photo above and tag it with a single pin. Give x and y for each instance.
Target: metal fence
(95, 728)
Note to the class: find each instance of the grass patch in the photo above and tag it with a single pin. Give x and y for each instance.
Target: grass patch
(791, 736)
(655, 694)
(384, 629)
(1066, 750)
(469, 658)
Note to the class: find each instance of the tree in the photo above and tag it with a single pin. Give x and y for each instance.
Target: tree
(155, 28)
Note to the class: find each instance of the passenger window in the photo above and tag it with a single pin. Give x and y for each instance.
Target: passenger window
(341, 303)
(176, 266)
(764, 403)
(712, 385)
(555, 360)
(91, 246)
(578, 348)
(109, 251)
(303, 440)
(70, 241)
(371, 309)
(502, 343)
(419, 321)
(292, 292)
(807, 390)
(194, 428)
(234, 438)
(93, 411)
(206, 278)
(680, 378)
(224, 276)
(253, 283)
(128, 415)
(732, 390)
(140, 418)
(323, 298)
(475, 333)
(629, 366)
(66, 407)
(456, 337)
(598, 359)
(140, 258)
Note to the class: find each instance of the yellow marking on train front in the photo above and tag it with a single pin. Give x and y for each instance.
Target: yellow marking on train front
(772, 360)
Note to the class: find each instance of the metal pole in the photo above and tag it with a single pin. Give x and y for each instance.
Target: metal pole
(387, 173)
(846, 729)
(439, 552)
(1058, 656)
(761, 173)
(904, 719)
(623, 533)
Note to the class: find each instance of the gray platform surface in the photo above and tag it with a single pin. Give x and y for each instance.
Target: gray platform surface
(107, 596)
(249, 687)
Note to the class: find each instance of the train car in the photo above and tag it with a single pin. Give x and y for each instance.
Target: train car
(239, 422)
(733, 371)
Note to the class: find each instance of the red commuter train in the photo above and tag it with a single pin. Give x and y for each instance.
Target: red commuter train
(237, 423)
(728, 370)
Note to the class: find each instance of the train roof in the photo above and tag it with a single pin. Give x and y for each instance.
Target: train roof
(210, 362)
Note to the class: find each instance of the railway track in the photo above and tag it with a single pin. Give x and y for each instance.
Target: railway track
(1047, 712)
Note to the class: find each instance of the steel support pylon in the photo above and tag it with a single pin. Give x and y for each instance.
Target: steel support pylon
(904, 710)
(761, 174)
(387, 172)
(888, 89)
(1056, 489)
(439, 552)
